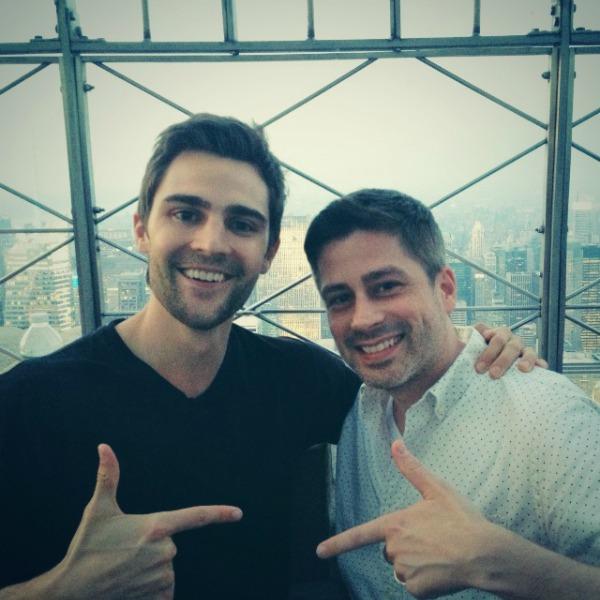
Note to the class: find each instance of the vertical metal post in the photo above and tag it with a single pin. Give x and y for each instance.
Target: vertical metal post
(395, 30)
(310, 15)
(557, 188)
(146, 18)
(229, 28)
(74, 88)
(476, 17)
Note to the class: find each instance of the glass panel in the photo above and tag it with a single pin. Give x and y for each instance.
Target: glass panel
(436, 18)
(514, 17)
(341, 19)
(582, 346)
(113, 20)
(22, 21)
(185, 20)
(271, 20)
(587, 14)
(33, 161)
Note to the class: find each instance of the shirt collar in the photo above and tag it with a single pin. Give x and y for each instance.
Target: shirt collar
(455, 381)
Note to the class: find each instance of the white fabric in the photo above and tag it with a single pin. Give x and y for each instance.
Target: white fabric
(525, 448)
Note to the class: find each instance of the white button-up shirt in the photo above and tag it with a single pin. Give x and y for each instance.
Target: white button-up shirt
(525, 449)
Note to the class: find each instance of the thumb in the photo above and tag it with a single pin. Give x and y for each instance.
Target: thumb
(104, 499)
(423, 480)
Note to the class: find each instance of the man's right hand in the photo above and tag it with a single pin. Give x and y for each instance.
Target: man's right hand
(118, 556)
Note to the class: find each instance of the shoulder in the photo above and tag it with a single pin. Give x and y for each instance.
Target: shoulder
(85, 359)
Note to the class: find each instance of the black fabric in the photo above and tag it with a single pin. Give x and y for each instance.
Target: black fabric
(237, 444)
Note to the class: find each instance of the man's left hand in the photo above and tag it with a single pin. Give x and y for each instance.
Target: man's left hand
(503, 349)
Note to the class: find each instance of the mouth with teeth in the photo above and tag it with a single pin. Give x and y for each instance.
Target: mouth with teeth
(380, 349)
(205, 276)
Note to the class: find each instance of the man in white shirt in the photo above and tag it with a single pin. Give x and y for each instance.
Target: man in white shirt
(523, 453)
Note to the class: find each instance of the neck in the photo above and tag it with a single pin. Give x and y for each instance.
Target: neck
(187, 358)
(412, 391)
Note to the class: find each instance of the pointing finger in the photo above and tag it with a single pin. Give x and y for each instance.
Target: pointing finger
(356, 537)
(169, 522)
(425, 482)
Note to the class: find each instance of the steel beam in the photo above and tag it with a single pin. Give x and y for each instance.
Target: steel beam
(557, 190)
(73, 86)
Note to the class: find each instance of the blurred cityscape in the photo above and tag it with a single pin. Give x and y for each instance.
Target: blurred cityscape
(504, 243)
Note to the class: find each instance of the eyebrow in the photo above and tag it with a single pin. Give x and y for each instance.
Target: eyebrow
(370, 277)
(239, 210)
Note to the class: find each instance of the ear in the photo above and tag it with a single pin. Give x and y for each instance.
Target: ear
(446, 283)
(269, 256)
(140, 234)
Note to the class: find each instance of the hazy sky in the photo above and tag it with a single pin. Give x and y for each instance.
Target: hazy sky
(398, 123)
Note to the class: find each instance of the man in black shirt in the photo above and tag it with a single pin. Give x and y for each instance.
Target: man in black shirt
(205, 418)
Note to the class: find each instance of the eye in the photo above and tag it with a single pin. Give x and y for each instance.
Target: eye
(242, 226)
(338, 301)
(386, 287)
(185, 215)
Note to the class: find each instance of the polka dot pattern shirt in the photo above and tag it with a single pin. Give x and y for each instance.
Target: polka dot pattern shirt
(525, 449)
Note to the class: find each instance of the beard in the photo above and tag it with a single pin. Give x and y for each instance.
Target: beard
(417, 356)
(200, 314)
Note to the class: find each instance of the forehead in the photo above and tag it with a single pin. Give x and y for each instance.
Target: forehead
(216, 179)
(349, 260)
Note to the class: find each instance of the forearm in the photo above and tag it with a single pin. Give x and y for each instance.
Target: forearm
(517, 569)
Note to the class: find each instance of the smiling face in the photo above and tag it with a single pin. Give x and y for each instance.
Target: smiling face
(206, 238)
(389, 320)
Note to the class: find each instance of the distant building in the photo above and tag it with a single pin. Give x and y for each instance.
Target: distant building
(289, 265)
(590, 263)
(6, 241)
(131, 292)
(45, 286)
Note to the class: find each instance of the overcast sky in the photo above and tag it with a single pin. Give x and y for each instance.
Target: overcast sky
(398, 123)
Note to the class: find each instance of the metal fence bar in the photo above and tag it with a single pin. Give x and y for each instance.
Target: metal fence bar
(23, 78)
(6, 351)
(131, 253)
(307, 56)
(582, 289)
(545, 40)
(275, 324)
(35, 203)
(562, 73)
(476, 17)
(493, 275)
(74, 88)
(524, 321)
(309, 178)
(316, 94)
(144, 89)
(113, 211)
(582, 306)
(30, 230)
(229, 25)
(482, 92)
(310, 20)
(277, 293)
(586, 117)
(146, 21)
(582, 324)
(35, 260)
(497, 168)
(586, 151)
(395, 20)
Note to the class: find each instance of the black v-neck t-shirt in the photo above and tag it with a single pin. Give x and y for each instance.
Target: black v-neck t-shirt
(236, 443)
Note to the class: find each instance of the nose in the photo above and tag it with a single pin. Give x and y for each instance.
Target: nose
(210, 237)
(366, 314)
